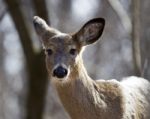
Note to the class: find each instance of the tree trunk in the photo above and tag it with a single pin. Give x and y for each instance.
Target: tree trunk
(41, 9)
(37, 75)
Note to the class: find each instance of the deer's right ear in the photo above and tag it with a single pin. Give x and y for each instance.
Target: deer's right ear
(42, 28)
(90, 32)
(40, 25)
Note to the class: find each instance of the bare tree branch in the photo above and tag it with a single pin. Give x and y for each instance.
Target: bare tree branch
(134, 29)
(121, 12)
(136, 36)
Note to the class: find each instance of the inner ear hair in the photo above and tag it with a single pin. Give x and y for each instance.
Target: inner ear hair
(91, 31)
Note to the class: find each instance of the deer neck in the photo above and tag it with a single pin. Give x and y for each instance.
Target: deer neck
(78, 91)
(82, 97)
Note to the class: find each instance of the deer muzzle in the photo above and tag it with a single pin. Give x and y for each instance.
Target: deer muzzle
(60, 72)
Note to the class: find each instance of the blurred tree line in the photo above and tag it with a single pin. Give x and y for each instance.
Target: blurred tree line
(25, 91)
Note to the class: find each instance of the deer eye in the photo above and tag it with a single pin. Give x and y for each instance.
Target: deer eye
(49, 51)
(72, 51)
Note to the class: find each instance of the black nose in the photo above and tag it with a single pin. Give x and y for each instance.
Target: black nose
(60, 72)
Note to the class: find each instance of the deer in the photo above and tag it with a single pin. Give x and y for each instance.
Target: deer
(81, 96)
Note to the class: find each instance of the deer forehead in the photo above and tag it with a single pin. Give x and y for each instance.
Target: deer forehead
(60, 40)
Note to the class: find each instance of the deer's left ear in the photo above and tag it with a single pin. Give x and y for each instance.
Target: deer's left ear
(90, 32)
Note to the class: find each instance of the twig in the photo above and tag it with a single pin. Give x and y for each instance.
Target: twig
(121, 12)
(136, 36)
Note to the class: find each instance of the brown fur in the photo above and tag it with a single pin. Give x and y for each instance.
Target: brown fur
(82, 97)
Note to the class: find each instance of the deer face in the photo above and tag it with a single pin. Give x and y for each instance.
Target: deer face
(63, 50)
(61, 54)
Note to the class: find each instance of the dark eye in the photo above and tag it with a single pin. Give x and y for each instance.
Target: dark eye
(72, 51)
(49, 51)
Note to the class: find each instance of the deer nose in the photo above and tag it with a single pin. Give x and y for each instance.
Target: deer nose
(60, 72)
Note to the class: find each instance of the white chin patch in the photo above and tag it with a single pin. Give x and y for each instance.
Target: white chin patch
(55, 79)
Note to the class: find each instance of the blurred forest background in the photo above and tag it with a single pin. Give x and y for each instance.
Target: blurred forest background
(25, 91)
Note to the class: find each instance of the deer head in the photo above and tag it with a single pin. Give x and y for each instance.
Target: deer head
(63, 50)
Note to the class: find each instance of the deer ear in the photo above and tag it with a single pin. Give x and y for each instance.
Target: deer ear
(91, 31)
(40, 25)
(42, 28)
